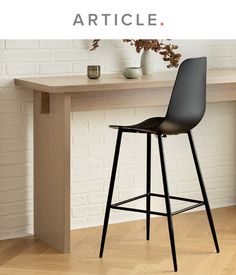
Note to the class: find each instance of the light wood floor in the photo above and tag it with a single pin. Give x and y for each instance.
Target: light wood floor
(127, 251)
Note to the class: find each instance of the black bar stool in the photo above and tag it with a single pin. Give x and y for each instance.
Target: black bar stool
(186, 109)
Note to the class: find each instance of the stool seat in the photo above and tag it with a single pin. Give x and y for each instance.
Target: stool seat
(150, 125)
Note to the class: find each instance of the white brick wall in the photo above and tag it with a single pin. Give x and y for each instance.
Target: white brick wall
(93, 142)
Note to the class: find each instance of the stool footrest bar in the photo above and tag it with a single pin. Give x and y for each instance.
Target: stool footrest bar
(129, 200)
(176, 198)
(118, 207)
(187, 208)
(138, 210)
(156, 195)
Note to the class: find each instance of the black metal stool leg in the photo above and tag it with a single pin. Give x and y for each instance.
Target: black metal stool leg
(110, 193)
(148, 198)
(167, 201)
(204, 193)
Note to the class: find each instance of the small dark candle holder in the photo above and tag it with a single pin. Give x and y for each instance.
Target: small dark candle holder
(93, 71)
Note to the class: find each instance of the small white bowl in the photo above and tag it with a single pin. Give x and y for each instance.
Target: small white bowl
(132, 72)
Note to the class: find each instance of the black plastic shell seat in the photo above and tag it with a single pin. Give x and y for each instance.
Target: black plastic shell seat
(187, 103)
(147, 126)
(185, 110)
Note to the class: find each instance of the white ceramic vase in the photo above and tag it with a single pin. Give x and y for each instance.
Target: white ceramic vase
(147, 62)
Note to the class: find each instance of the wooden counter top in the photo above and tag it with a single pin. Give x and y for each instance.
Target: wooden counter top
(80, 83)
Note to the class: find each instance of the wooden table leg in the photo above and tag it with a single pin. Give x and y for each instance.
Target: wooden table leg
(52, 169)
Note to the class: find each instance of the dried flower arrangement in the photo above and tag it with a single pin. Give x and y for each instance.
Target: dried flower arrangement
(164, 49)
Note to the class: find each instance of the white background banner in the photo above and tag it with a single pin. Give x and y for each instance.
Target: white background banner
(182, 19)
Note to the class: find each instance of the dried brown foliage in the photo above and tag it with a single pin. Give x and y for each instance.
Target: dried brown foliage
(95, 44)
(167, 51)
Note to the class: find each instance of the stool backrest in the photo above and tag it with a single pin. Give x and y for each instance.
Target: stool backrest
(188, 100)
